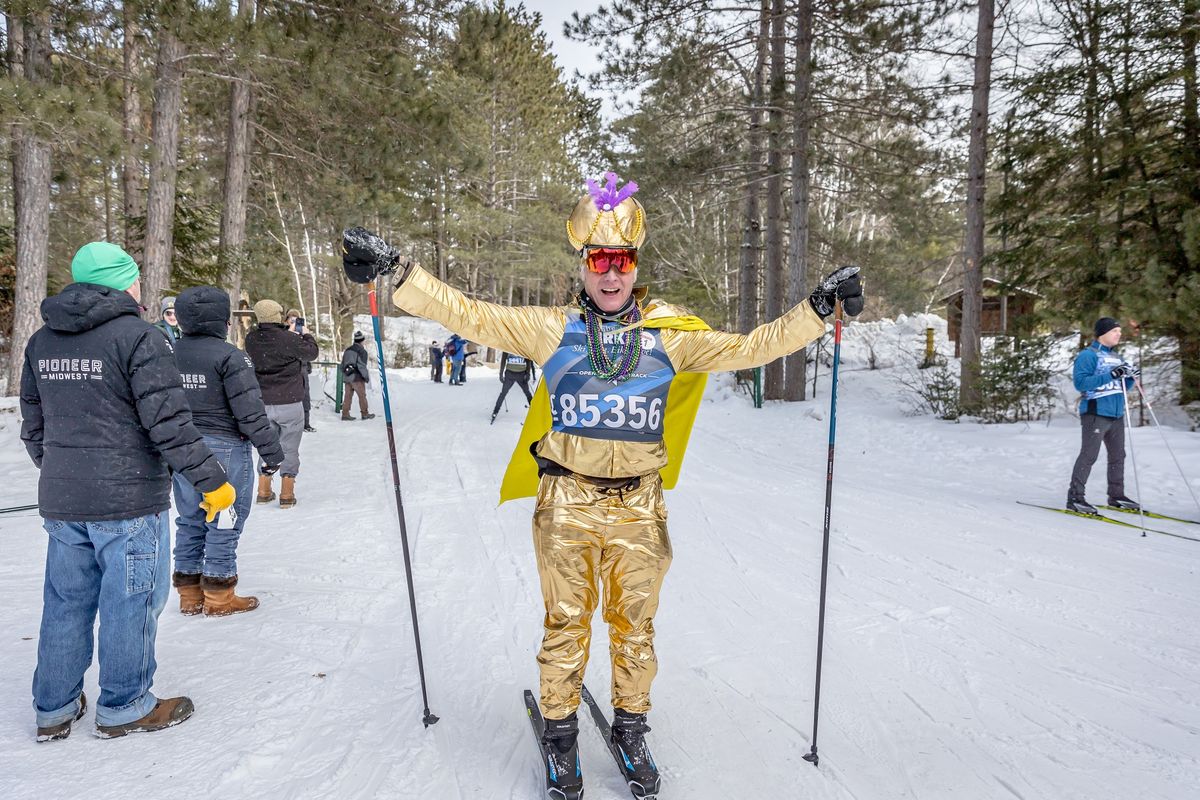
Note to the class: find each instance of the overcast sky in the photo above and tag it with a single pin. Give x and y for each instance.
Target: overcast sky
(571, 56)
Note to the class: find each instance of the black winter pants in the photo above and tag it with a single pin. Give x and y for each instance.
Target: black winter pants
(509, 380)
(1097, 429)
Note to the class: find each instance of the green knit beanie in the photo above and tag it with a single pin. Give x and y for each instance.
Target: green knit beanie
(104, 264)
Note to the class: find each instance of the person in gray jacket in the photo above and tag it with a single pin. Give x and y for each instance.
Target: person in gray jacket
(356, 374)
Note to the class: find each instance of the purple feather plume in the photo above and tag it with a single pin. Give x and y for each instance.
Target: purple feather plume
(609, 197)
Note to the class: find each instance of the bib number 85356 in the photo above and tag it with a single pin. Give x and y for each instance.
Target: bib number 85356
(611, 411)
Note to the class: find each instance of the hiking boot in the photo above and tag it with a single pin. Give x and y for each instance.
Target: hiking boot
(1125, 503)
(309, 429)
(629, 741)
(347, 418)
(191, 596)
(265, 493)
(220, 600)
(1082, 507)
(368, 416)
(165, 714)
(63, 729)
(287, 492)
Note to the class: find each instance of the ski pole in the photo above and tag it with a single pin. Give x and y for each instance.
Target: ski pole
(1146, 402)
(428, 718)
(18, 508)
(1132, 458)
(811, 757)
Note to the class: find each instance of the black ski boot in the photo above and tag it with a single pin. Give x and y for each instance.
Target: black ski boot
(560, 748)
(628, 743)
(1124, 503)
(1082, 507)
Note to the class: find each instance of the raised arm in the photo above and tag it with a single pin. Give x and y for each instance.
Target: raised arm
(713, 351)
(532, 331)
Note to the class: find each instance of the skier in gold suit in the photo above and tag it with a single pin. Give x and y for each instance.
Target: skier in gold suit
(606, 432)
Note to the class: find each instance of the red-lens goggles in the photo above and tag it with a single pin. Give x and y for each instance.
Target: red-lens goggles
(601, 259)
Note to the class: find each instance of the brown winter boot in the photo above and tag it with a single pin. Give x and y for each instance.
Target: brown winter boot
(191, 596)
(219, 599)
(165, 714)
(63, 729)
(265, 493)
(287, 492)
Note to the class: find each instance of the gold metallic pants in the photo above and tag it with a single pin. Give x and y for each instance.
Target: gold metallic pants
(583, 535)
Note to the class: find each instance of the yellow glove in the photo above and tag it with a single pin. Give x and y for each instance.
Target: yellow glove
(218, 500)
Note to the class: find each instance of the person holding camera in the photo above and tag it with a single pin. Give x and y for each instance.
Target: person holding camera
(600, 442)
(1102, 377)
(280, 353)
(356, 374)
(294, 321)
(228, 410)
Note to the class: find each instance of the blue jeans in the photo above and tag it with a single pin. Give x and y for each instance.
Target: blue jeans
(119, 567)
(203, 547)
(456, 371)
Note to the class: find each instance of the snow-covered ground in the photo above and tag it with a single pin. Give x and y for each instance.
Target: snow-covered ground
(975, 648)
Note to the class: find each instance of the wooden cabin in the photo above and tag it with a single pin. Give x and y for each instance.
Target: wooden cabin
(1006, 311)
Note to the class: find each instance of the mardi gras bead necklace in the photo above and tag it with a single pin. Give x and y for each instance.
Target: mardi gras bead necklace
(630, 347)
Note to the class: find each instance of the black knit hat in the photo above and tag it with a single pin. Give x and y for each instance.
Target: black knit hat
(1104, 325)
(359, 336)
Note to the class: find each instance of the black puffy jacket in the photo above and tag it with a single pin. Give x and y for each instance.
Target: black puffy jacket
(279, 358)
(102, 406)
(218, 378)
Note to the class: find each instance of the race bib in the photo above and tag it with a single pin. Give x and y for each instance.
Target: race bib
(584, 404)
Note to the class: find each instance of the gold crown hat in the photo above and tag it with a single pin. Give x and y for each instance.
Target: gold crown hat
(607, 216)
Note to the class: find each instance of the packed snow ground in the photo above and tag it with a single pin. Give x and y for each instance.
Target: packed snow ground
(975, 648)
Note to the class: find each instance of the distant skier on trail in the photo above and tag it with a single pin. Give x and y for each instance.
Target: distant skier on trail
(604, 436)
(514, 369)
(1102, 377)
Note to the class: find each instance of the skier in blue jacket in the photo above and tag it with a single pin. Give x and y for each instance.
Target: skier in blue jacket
(1102, 377)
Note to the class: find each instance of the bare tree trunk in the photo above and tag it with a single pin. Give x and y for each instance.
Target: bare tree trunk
(286, 241)
(232, 244)
(312, 274)
(774, 288)
(29, 50)
(796, 367)
(747, 311)
(164, 143)
(132, 164)
(973, 244)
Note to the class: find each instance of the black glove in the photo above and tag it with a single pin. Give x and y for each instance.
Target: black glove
(841, 284)
(365, 255)
(269, 469)
(1126, 371)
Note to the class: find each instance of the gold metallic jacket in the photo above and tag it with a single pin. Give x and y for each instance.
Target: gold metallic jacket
(536, 331)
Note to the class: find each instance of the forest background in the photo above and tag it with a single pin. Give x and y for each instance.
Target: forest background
(1053, 145)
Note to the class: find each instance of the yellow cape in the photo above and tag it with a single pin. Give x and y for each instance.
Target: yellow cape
(683, 401)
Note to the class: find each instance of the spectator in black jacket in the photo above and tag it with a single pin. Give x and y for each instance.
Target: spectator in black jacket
(228, 410)
(435, 362)
(356, 374)
(280, 355)
(103, 415)
(513, 369)
(295, 322)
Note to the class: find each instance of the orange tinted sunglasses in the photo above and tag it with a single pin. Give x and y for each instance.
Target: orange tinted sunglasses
(601, 259)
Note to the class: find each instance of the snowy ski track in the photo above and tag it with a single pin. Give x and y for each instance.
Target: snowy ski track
(975, 648)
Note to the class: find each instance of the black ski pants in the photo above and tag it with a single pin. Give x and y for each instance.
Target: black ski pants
(1110, 431)
(435, 370)
(522, 380)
